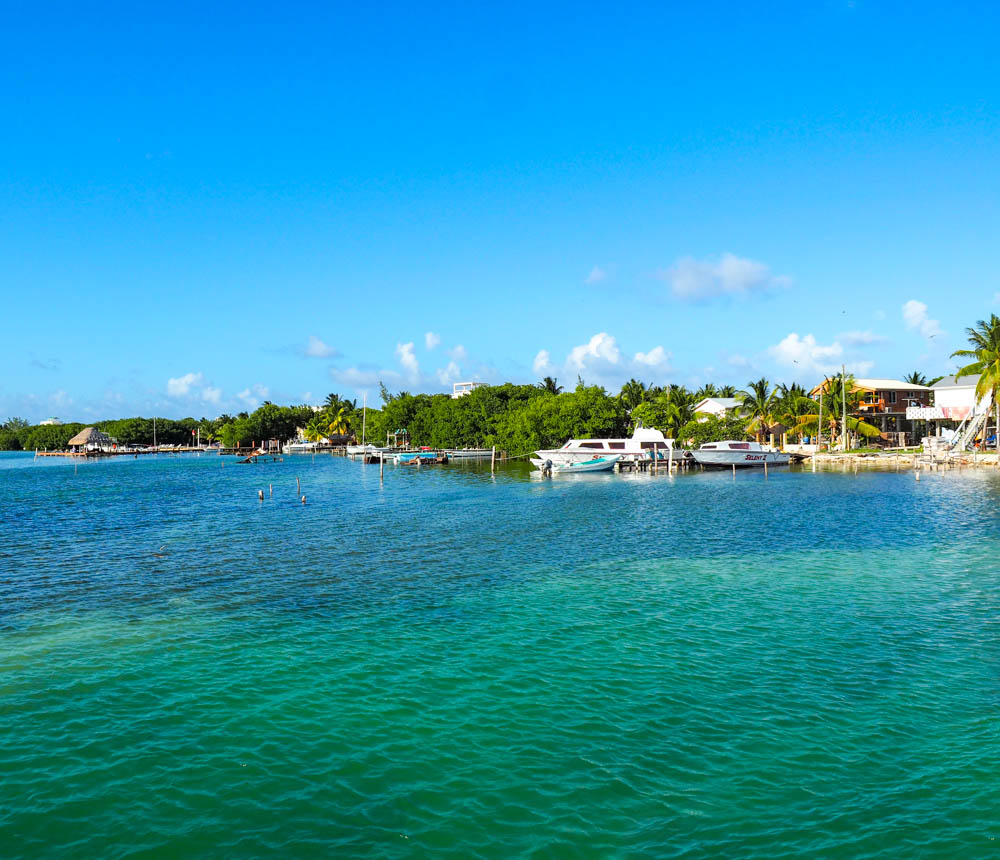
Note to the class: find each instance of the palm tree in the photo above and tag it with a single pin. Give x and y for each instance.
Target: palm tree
(550, 385)
(985, 352)
(707, 390)
(339, 422)
(837, 390)
(985, 333)
(727, 391)
(915, 378)
(758, 404)
(632, 394)
(316, 429)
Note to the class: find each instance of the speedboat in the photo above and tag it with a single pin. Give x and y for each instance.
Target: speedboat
(353, 450)
(644, 444)
(300, 446)
(740, 454)
(469, 453)
(420, 458)
(595, 464)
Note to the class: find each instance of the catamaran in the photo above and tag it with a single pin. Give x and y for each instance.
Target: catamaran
(739, 454)
(644, 444)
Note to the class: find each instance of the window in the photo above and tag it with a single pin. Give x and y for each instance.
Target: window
(599, 445)
(739, 446)
(892, 396)
(649, 446)
(616, 446)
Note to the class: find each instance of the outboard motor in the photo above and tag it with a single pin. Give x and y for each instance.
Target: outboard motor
(547, 468)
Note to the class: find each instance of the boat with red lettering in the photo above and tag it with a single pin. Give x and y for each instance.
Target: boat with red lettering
(740, 454)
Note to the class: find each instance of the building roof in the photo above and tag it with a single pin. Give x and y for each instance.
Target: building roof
(90, 436)
(722, 402)
(872, 384)
(889, 384)
(957, 382)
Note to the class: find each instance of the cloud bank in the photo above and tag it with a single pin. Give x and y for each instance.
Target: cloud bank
(701, 280)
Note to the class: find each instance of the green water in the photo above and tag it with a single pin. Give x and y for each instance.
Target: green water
(449, 664)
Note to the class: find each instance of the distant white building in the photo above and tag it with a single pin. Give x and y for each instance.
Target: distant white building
(954, 399)
(49, 422)
(716, 406)
(460, 389)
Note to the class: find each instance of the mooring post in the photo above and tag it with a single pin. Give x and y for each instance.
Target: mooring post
(765, 467)
(260, 495)
(298, 487)
(734, 471)
(493, 459)
(381, 465)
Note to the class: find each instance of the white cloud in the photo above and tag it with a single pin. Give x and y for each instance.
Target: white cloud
(363, 378)
(656, 357)
(600, 349)
(915, 319)
(541, 362)
(432, 340)
(458, 353)
(737, 360)
(448, 375)
(729, 275)
(408, 361)
(805, 354)
(182, 385)
(317, 349)
(597, 274)
(211, 395)
(254, 395)
(862, 338)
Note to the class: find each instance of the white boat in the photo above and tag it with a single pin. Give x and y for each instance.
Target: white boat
(734, 453)
(300, 446)
(352, 450)
(469, 453)
(644, 444)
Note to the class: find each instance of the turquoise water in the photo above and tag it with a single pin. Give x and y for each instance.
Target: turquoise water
(449, 664)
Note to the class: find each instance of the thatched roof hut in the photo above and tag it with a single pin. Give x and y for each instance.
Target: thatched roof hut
(90, 437)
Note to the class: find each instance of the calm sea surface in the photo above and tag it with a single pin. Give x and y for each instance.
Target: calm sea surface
(450, 664)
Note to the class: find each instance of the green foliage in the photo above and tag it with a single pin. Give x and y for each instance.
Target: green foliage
(711, 428)
(51, 437)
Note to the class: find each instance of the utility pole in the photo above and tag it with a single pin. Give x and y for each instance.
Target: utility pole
(819, 425)
(843, 396)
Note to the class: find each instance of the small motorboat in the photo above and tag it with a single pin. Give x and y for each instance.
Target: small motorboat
(595, 464)
(420, 458)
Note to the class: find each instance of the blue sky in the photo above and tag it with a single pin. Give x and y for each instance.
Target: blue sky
(201, 208)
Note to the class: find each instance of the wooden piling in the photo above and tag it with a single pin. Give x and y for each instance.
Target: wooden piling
(260, 495)
(765, 468)
(381, 464)
(298, 487)
(493, 460)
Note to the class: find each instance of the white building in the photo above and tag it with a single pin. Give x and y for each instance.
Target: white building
(460, 389)
(954, 399)
(717, 406)
(49, 422)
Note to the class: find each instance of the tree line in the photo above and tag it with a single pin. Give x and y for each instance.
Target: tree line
(523, 418)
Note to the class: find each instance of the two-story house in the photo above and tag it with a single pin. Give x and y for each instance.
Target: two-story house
(884, 403)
